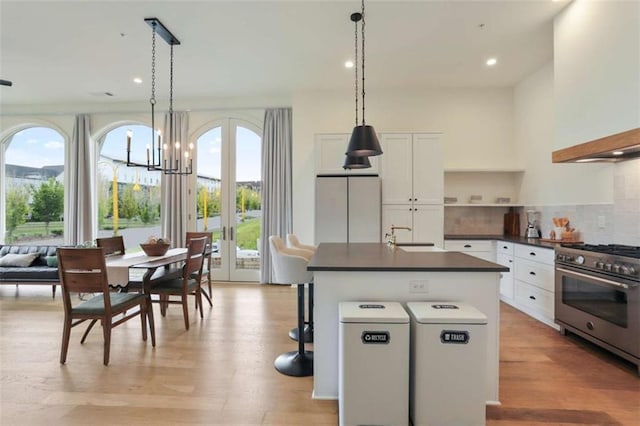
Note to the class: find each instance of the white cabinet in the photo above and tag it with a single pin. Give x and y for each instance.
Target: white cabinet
(478, 248)
(412, 168)
(412, 186)
(504, 257)
(330, 149)
(425, 222)
(534, 282)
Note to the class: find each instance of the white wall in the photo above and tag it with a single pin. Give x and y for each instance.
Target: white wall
(477, 126)
(543, 182)
(597, 70)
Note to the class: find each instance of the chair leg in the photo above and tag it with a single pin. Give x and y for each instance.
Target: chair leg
(152, 328)
(53, 291)
(106, 331)
(143, 319)
(199, 302)
(86, 332)
(66, 334)
(185, 311)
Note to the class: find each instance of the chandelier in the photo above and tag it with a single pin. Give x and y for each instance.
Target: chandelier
(363, 141)
(167, 156)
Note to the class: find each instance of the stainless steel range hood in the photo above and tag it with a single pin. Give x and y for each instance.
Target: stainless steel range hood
(611, 149)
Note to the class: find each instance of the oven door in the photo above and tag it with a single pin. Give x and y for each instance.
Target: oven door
(599, 306)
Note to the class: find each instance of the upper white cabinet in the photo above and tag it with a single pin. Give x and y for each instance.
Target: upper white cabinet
(330, 155)
(596, 68)
(411, 168)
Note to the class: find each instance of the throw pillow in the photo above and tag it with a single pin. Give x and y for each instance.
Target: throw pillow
(52, 261)
(18, 260)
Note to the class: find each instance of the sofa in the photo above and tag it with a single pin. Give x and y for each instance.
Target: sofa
(29, 264)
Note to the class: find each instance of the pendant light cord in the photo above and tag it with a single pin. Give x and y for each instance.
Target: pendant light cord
(355, 19)
(152, 100)
(362, 27)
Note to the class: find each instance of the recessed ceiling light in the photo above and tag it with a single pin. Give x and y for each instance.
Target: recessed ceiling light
(491, 62)
(137, 80)
(348, 64)
(618, 152)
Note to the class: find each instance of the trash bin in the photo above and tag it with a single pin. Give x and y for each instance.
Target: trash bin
(448, 364)
(373, 366)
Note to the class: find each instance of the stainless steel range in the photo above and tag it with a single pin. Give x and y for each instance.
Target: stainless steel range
(597, 296)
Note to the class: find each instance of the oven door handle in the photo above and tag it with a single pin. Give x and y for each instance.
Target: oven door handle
(591, 277)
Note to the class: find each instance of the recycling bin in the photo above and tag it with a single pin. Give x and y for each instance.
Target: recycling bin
(373, 364)
(448, 364)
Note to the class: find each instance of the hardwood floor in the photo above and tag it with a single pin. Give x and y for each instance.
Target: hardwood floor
(221, 370)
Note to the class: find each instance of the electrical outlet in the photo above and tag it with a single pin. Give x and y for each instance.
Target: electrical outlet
(419, 286)
(601, 222)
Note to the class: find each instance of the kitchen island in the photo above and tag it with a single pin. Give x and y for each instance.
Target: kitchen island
(378, 272)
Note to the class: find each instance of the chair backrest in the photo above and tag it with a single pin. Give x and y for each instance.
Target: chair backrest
(82, 270)
(112, 245)
(293, 242)
(195, 256)
(289, 264)
(199, 234)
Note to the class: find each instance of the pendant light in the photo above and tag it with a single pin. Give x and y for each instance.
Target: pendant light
(165, 157)
(364, 141)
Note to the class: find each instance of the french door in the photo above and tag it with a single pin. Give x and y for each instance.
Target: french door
(228, 187)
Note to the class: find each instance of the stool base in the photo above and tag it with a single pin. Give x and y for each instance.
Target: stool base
(295, 364)
(308, 334)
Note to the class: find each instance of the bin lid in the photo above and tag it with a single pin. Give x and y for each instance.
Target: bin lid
(372, 312)
(445, 313)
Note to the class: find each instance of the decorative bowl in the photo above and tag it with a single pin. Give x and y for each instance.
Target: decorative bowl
(155, 249)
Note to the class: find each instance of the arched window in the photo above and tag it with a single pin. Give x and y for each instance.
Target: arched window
(128, 197)
(33, 187)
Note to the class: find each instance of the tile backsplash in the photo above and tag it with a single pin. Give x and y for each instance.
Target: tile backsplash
(616, 223)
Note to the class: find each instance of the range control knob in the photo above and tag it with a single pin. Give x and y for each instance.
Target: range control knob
(616, 268)
(633, 271)
(607, 267)
(579, 260)
(599, 265)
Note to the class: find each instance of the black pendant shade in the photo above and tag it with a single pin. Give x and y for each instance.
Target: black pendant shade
(356, 163)
(363, 142)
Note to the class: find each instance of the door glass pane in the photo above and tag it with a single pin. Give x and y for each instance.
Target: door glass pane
(33, 187)
(128, 197)
(248, 188)
(209, 179)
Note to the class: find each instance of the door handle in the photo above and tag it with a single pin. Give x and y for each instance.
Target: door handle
(231, 233)
(467, 246)
(224, 233)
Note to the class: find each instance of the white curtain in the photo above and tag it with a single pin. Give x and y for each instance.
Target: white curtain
(174, 198)
(78, 183)
(276, 184)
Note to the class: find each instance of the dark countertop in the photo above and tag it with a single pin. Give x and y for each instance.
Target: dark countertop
(380, 257)
(519, 240)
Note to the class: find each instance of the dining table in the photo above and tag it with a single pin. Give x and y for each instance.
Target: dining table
(119, 267)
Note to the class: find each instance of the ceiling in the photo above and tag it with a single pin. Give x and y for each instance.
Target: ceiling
(62, 52)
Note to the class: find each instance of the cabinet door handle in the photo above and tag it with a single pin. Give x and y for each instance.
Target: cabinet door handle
(504, 247)
(532, 273)
(467, 246)
(410, 199)
(415, 199)
(532, 254)
(532, 297)
(510, 261)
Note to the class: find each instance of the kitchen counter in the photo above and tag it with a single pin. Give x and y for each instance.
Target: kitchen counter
(380, 257)
(374, 272)
(519, 240)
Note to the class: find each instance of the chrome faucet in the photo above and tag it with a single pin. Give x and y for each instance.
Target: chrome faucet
(391, 237)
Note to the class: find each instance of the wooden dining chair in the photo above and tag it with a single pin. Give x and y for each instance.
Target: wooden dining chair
(206, 268)
(114, 246)
(83, 270)
(187, 284)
